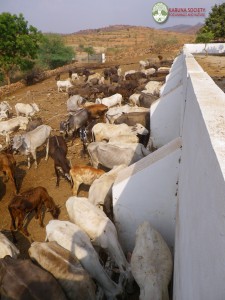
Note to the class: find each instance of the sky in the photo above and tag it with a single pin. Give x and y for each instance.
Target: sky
(68, 16)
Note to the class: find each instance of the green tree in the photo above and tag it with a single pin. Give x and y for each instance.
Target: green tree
(53, 53)
(18, 44)
(214, 27)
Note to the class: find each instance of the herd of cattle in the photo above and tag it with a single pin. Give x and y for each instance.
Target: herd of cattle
(82, 258)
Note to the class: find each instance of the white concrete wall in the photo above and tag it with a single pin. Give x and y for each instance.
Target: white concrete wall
(142, 193)
(214, 48)
(199, 269)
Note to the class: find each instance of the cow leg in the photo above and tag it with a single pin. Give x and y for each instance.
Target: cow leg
(35, 158)
(76, 187)
(12, 178)
(47, 150)
(57, 176)
(28, 161)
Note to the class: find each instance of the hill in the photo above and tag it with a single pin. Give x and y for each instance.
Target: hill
(182, 28)
(125, 41)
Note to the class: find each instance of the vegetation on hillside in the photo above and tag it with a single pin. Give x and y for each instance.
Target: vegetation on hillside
(19, 44)
(214, 26)
(53, 53)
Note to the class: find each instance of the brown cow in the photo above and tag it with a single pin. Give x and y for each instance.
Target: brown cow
(84, 174)
(22, 279)
(97, 111)
(32, 200)
(7, 166)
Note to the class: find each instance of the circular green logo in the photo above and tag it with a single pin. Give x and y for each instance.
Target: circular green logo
(160, 12)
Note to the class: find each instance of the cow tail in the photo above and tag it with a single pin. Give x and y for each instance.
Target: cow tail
(47, 149)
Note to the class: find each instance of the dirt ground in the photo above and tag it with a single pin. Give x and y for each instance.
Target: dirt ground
(52, 110)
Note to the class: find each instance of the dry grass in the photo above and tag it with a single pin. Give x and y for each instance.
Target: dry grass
(123, 42)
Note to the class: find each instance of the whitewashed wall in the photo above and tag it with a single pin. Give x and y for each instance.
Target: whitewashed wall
(214, 48)
(191, 110)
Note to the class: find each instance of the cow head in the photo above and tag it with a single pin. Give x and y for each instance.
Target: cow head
(140, 129)
(64, 127)
(17, 143)
(36, 108)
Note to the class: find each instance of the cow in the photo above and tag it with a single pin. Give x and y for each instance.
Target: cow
(34, 123)
(132, 118)
(71, 237)
(105, 131)
(28, 142)
(86, 136)
(153, 87)
(4, 110)
(74, 103)
(32, 200)
(74, 122)
(100, 230)
(100, 192)
(58, 152)
(97, 111)
(63, 84)
(7, 247)
(74, 280)
(134, 99)
(110, 155)
(22, 279)
(151, 263)
(8, 166)
(135, 76)
(83, 174)
(110, 71)
(146, 99)
(111, 101)
(11, 125)
(27, 109)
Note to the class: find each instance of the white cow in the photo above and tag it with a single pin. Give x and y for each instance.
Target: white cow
(105, 131)
(111, 101)
(151, 263)
(7, 247)
(153, 87)
(63, 84)
(92, 76)
(100, 192)
(149, 71)
(4, 110)
(28, 142)
(74, 77)
(110, 155)
(71, 237)
(11, 125)
(27, 109)
(65, 268)
(100, 229)
(115, 112)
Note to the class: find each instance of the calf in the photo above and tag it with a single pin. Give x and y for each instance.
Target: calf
(84, 174)
(27, 109)
(58, 152)
(63, 84)
(7, 166)
(22, 279)
(34, 199)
